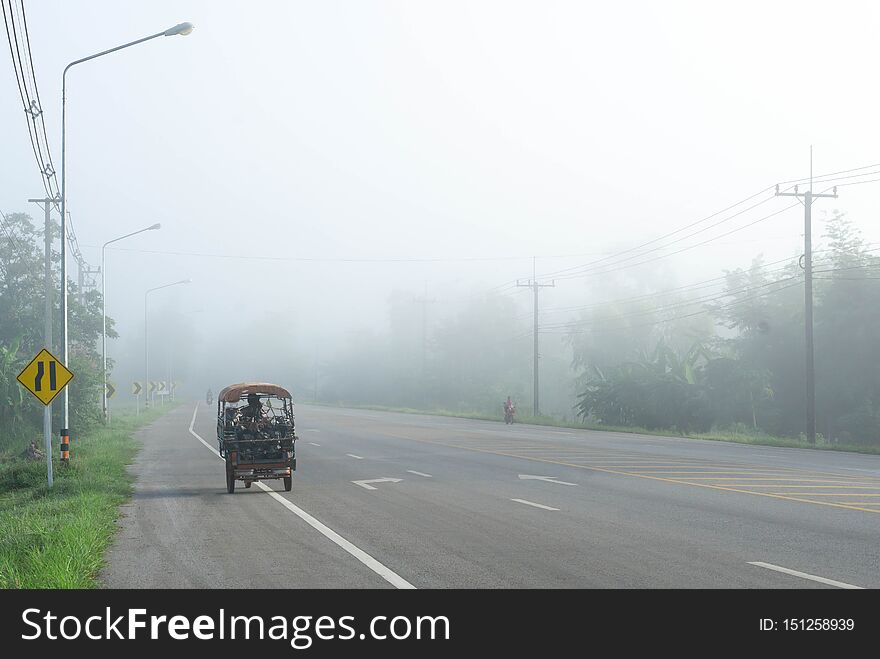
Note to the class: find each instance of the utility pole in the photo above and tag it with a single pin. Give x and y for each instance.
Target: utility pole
(47, 330)
(808, 198)
(534, 284)
(315, 390)
(424, 301)
(84, 270)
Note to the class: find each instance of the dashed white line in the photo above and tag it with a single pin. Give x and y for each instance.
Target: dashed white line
(366, 484)
(548, 479)
(383, 571)
(356, 457)
(418, 473)
(536, 505)
(314, 443)
(804, 575)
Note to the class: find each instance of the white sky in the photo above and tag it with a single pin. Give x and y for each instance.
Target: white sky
(435, 130)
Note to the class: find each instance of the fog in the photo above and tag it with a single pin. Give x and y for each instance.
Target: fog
(349, 185)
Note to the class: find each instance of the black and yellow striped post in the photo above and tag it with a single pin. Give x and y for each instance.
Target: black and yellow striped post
(65, 446)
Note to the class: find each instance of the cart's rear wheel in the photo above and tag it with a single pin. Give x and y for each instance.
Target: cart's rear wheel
(230, 477)
(247, 485)
(288, 483)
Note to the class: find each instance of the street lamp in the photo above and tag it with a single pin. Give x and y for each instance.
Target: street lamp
(181, 28)
(146, 337)
(104, 404)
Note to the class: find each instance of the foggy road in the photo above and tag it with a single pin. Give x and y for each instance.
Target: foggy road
(392, 500)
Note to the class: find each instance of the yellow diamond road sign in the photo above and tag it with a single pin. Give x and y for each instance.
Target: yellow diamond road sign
(45, 376)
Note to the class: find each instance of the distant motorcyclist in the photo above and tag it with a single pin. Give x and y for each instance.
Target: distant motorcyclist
(509, 410)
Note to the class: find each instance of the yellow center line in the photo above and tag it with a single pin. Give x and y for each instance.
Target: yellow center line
(698, 473)
(622, 457)
(838, 494)
(793, 480)
(864, 503)
(645, 476)
(782, 485)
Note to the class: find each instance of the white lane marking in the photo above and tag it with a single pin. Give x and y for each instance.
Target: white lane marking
(366, 484)
(314, 444)
(352, 455)
(386, 573)
(418, 473)
(804, 575)
(549, 479)
(536, 505)
(311, 430)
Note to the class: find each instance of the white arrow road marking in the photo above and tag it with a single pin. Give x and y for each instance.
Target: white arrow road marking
(352, 455)
(418, 473)
(536, 505)
(386, 573)
(549, 479)
(366, 484)
(804, 575)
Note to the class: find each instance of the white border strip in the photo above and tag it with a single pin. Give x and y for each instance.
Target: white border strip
(804, 575)
(386, 573)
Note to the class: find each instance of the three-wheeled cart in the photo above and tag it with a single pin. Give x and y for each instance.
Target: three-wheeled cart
(255, 431)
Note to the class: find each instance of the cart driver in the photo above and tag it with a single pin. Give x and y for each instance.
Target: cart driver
(253, 410)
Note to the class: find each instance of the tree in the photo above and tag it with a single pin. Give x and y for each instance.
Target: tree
(22, 311)
(661, 389)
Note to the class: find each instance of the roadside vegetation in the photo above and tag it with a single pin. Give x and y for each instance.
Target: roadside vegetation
(57, 538)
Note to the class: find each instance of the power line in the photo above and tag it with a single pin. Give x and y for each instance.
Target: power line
(821, 176)
(684, 249)
(678, 251)
(704, 299)
(671, 233)
(668, 320)
(37, 92)
(20, 79)
(585, 269)
(706, 283)
(25, 75)
(588, 267)
(590, 271)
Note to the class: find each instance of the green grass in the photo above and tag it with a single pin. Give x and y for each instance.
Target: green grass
(746, 436)
(56, 538)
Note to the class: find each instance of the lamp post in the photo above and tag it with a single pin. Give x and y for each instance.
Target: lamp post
(105, 406)
(182, 29)
(147, 339)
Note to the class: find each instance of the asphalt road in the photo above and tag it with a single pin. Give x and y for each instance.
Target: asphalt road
(477, 504)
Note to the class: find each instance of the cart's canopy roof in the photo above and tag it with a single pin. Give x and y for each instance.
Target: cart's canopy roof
(235, 392)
